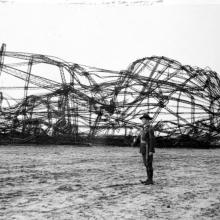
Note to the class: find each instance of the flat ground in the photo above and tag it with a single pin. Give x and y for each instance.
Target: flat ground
(64, 182)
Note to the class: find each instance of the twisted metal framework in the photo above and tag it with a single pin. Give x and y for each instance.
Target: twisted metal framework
(55, 97)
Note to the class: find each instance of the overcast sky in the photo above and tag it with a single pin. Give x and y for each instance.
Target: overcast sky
(113, 36)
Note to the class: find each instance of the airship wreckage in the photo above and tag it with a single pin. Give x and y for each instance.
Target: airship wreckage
(44, 99)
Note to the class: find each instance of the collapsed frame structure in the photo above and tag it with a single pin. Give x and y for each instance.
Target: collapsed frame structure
(44, 95)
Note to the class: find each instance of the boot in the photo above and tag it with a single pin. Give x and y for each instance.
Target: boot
(149, 180)
(143, 181)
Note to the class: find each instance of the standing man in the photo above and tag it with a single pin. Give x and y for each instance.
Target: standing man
(147, 145)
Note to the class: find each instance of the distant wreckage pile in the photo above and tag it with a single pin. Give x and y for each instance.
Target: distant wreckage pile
(44, 98)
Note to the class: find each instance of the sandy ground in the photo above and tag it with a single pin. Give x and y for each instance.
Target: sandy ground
(65, 182)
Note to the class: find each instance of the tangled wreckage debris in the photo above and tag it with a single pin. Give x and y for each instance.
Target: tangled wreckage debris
(54, 101)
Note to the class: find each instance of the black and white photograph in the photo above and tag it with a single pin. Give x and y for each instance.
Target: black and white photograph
(109, 109)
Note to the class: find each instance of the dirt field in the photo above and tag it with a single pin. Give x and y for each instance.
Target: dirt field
(65, 182)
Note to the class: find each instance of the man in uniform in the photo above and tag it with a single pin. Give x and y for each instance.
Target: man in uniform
(147, 145)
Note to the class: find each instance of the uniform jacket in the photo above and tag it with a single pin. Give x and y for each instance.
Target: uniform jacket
(147, 136)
